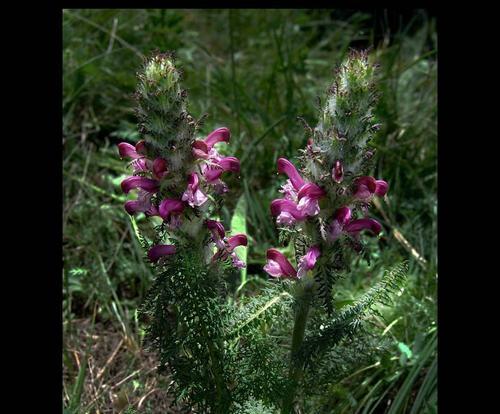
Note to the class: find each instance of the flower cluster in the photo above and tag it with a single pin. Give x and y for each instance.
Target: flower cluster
(327, 202)
(153, 199)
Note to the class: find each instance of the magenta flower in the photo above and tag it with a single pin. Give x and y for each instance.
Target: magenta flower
(212, 171)
(338, 172)
(159, 168)
(218, 233)
(342, 223)
(340, 218)
(127, 150)
(225, 247)
(193, 195)
(308, 261)
(355, 226)
(286, 212)
(278, 265)
(309, 196)
(301, 198)
(146, 184)
(285, 166)
(203, 148)
(366, 187)
(159, 251)
(170, 210)
(142, 204)
(237, 240)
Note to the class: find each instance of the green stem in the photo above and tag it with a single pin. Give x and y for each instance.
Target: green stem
(296, 368)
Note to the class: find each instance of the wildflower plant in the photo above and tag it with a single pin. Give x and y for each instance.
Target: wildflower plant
(266, 351)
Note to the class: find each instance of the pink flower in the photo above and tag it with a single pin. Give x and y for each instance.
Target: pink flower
(159, 168)
(309, 196)
(127, 150)
(278, 265)
(308, 261)
(202, 148)
(366, 187)
(193, 195)
(355, 226)
(212, 171)
(338, 172)
(342, 223)
(305, 196)
(142, 204)
(225, 247)
(146, 184)
(285, 166)
(218, 232)
(159, 251)
(170, 210)
(286, 212)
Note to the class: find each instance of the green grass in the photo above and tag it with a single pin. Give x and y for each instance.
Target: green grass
(254, 72)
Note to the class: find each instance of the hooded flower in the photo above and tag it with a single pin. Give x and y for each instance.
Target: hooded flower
(342, 223)
(366, 187)
(146, 188)
(127, 150)
(213, 169)
(170, 211)
(301, 198)
(278, 265)
(286, 212)
(159, 251)
(204, 148)
(308, 261)
(225, 247)
(193, 195)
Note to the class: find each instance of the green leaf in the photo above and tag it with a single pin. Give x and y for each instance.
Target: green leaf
(239, 225)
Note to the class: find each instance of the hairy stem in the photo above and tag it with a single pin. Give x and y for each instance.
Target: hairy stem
(296, 367)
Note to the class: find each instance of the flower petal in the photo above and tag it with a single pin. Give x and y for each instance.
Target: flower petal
(146, 184)
(342, 215)
(283, 205)
(312, 191)
(218, 135)
(159, 167)
(356, 226)
(216, 228)
(285, 166)
(286, 269)
(160, 250)
(200, 149)
(237, 240)
(308, 261)
(127, 150)
(170, 206)
(381, 187)
(212, 173)
(230, 164)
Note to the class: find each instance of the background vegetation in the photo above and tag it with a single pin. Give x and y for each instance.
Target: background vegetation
(253, 71)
